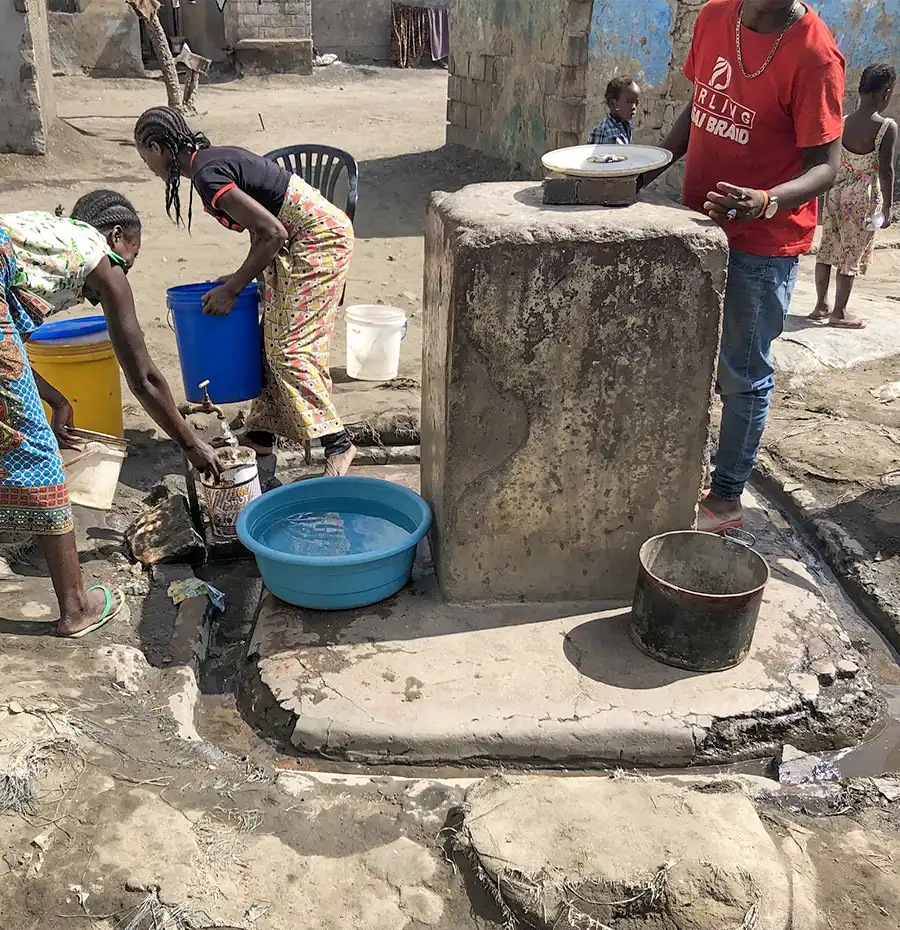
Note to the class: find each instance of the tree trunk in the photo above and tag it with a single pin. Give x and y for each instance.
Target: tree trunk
(165, 59)
(191, 83)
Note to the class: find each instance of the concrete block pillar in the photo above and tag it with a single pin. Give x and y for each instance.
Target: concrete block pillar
(568, 365)
(27, 102)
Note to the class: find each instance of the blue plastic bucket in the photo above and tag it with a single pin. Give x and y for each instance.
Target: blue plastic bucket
(337, 582)
(224, 350)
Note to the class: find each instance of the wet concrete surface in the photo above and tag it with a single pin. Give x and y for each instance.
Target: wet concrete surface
(221, 721)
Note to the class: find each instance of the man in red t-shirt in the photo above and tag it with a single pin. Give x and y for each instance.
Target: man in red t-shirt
(762, 139)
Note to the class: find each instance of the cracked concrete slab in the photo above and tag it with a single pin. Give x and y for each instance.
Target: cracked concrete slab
(671, 856)
(419, 681)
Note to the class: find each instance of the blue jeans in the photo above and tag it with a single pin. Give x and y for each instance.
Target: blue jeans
(756, 303)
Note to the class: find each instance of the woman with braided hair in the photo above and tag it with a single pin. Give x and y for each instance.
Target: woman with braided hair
(300, 246)
(47, 264)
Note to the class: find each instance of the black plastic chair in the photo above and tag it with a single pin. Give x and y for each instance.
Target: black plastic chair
(321, 166)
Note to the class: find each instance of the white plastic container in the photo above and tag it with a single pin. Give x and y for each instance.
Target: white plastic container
(874, 222)
(237, 486)
(92, 473)
(374, 336)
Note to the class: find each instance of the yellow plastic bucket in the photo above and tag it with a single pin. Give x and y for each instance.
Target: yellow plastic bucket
(77, 358)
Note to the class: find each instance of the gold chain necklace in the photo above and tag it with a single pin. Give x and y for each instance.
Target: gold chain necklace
(768, 61)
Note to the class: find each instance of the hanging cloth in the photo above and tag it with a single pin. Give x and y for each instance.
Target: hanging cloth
(439, 27)
(411, 34)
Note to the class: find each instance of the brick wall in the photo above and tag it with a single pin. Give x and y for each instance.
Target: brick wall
(518, 76)
(270, 19)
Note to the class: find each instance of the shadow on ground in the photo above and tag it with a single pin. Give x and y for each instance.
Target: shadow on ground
(394, 191)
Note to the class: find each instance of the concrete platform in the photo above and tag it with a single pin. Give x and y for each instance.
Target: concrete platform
(805, 349)
(416, 680)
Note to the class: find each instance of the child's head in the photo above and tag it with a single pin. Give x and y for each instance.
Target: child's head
(877, 82)
(622, 97)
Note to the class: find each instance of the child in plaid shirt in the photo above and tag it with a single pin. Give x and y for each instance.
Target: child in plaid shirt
(622, 97)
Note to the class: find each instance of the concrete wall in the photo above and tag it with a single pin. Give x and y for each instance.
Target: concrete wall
(270, 36)
(357, 30)
(203, 25)
(354, 30)
(518, 72)
(27, 103)
(104, 39)
(567, 372)
(270, 19)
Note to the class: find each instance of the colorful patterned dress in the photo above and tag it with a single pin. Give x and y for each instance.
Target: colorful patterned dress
(302, 292)
(847, 243)
(44, 262)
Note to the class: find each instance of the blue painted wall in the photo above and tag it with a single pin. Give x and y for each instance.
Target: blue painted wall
(866, 30)
(638, 32)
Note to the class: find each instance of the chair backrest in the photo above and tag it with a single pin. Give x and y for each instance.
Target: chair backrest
(321, 166)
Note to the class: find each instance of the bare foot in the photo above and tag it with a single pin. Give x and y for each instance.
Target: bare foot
(338, 465)
(820, 313)
(715, 515)
(95, 605)
(846, 322)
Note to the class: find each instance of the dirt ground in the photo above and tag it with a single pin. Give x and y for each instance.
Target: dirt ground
(131, 812)
(838, 432)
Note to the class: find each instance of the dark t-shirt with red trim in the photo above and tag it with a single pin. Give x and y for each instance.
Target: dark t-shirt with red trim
(222, 168)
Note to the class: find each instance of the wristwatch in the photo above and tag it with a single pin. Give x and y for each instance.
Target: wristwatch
(770, 206)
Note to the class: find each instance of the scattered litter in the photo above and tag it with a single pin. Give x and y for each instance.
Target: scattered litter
(886, 393)
(255, 911)
(43, 840)
(80, 894)
(324, 61)
(801, 768)
(888, 788)
(180, 591)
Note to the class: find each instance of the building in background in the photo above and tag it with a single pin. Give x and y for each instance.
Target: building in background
(528, 76)
(103, 37)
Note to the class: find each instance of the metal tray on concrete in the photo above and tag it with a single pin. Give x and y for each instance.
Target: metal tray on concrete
(606, 161)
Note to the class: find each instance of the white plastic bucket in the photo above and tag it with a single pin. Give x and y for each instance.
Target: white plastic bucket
(237, 486)
(92, 473)
(374, 336)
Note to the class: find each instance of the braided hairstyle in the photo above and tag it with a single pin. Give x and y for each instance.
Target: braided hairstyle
(877, 78)
(104, 210)
(169, 130)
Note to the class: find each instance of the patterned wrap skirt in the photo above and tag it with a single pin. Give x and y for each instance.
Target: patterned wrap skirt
(302, 291)
(34, 498)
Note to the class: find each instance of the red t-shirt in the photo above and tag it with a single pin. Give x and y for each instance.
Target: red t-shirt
(750, 132)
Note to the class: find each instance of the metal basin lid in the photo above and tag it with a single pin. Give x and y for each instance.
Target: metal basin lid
(606, 161)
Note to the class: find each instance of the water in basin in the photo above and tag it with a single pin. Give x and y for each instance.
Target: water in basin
(325, 534)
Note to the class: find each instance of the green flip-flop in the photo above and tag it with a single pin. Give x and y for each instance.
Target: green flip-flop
(112, 608)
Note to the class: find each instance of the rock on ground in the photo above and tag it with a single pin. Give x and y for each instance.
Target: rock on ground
(625, 853)
(165, 532)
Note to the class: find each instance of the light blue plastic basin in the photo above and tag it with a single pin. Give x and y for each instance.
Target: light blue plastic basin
(343, 581)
